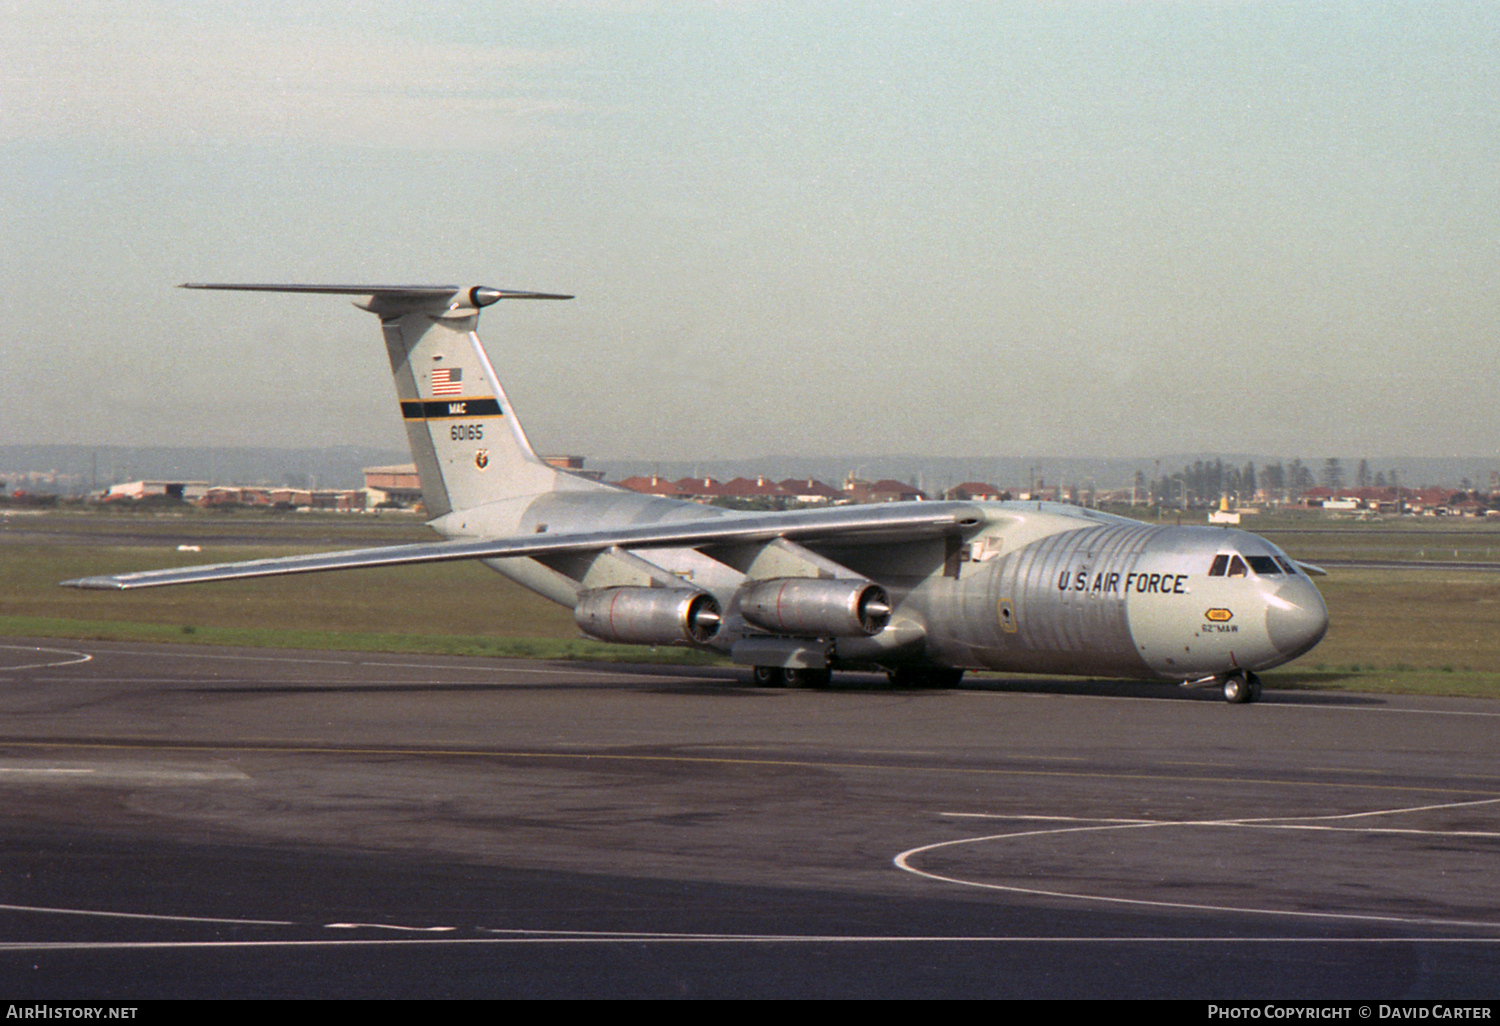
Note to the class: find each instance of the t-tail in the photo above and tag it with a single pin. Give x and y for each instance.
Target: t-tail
(468, 447)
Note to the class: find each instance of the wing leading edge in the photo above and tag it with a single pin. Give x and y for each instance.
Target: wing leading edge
(903, 523)
(481, 296)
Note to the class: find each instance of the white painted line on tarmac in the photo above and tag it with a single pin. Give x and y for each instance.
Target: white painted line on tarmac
(374, 664)
(1384, 812)
(389, 926)
(904, 862)
(1377, 709)
(107, 772)
(26, 771)
(1045, 819)
(77, 657)
(544, 937)
(1264, 704)
(43, 910)
(361, 659)
(291, 682)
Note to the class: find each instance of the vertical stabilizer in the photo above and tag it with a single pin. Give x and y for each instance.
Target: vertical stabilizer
(468, 447)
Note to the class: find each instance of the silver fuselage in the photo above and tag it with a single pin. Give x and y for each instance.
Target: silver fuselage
(1032, 587)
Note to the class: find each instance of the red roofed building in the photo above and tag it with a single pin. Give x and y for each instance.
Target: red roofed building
(977, 491)
(699, 489)
(810, 491)
(884, 490)
(652, 485)
(760, 488)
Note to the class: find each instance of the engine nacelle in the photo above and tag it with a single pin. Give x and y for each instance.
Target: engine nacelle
(816, 607)
(649, 616)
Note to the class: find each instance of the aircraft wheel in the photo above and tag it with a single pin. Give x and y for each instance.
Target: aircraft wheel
(809, 678)
(1254, 687)
(925, 677)
(1236, 689)
(768, 677)
(945, 678)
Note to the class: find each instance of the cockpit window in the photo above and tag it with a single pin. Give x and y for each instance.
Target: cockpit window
(1286, 564)
(1227, 564)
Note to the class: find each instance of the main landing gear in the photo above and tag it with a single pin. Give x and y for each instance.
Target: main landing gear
(1241, 687)
(776, 677)
(925, 677)
(903, 677)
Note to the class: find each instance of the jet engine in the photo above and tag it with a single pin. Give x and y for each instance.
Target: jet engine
(816, 607)
(649, 616)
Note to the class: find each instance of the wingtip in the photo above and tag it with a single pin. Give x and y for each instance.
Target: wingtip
(93, 583)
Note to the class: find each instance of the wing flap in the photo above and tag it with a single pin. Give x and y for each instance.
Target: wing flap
(848, 523)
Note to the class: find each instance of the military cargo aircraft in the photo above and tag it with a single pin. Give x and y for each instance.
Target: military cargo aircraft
(921, 590)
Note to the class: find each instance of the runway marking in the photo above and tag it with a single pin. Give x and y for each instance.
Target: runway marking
(514, 935)
(142, 915)
(363, 659)
(42, 770)
(1278, 823)
(388, 926)
(904, 859)
(1300, 707)
(82, 657)
(519, 936)
(477, 663)
(107, 772)
(289, 747)
(546, 937)
(229, 684)
(1046, 819)
(1263, 704)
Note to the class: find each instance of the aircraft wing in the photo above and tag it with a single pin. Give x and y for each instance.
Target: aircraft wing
(848, 523)
(487, 295)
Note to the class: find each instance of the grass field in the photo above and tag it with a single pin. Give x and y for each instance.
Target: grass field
(1434, 632)
(454, 608)
(1414, 631)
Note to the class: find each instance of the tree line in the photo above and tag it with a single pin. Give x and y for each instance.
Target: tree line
(1205, 481)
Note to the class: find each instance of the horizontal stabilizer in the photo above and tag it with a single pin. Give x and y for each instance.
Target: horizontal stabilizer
(846, 524)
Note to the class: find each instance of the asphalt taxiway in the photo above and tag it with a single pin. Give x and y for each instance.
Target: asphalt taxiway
(188, 821)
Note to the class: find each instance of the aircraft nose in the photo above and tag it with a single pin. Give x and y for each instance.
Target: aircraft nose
(1296, 617)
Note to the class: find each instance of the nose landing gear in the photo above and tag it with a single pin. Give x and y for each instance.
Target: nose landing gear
(1241, 687)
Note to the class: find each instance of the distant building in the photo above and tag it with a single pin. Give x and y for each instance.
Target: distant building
(976, 491)
(221, 496)
(393, 485)
(885, 490)
(760, 487)
(699, 489)
(400, 485)
(652, 485)
(810, 491)
(573, 465)
(190, 491)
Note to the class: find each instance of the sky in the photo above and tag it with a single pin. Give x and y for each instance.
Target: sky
(1118, 228)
